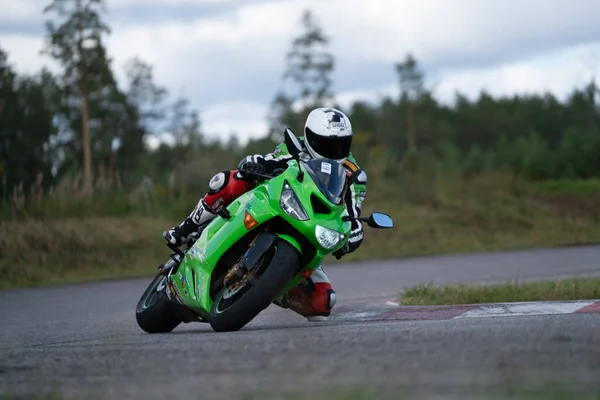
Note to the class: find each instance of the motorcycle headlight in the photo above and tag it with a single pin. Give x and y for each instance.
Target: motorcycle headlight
(328, 238)
(291, 205)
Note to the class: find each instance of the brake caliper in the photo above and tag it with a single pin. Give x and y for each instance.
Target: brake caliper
(237, 272)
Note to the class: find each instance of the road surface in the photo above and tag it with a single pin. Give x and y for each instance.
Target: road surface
(82, 341)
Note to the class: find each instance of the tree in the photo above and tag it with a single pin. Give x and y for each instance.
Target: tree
(281, 115)
(184, 125)
(412, 90)
(76, 42)
(309, 66)
(144, 93)
(26, 129)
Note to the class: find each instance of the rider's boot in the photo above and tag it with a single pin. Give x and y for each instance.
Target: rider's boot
(224, 187)
(192, 226)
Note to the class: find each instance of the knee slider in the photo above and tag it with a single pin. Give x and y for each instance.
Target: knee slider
(218, 182)
(331, 299)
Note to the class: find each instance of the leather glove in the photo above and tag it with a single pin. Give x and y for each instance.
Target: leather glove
(351, 245)
(342, 252)
(250, 167)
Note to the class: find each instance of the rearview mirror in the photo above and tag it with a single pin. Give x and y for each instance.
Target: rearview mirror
(294, 146)
(380, 220)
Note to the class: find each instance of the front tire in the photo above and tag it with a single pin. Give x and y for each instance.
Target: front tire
(152, 313)
(284, 265)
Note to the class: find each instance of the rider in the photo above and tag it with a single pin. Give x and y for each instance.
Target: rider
(327, 134)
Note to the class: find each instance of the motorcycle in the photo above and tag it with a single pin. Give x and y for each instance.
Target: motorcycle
(259, 247)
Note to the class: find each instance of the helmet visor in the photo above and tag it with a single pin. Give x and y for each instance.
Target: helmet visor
(333, 147)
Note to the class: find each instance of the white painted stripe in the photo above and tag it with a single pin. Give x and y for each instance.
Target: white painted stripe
(354, 209)
(392, 303)
(533, 308)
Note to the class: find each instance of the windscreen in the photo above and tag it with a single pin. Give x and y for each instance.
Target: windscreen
(329, 175)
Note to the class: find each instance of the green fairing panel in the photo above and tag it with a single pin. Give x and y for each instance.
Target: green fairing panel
(214, 241)
(192, 281)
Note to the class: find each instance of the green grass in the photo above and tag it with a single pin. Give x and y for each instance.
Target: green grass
(582, 187)
(485, 213)
(66, 240)
(36, 252)
(498, 385)
(571, 289)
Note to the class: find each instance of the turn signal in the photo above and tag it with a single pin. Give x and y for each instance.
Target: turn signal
(306, 273)
(249, 220)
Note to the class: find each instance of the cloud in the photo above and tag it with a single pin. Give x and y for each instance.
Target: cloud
(230, 54)
(459, 32)
(24, 53)
(242, 53)
(245, 119)
(557, 72)
(21, 10)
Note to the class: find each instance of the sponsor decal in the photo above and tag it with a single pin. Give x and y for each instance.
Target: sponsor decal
(200, 287)
(295, 303)
(351, 166)
(196, 214)
(361, 198)
(175, 292)
(217, 203)
(336, 119)
(182, 279)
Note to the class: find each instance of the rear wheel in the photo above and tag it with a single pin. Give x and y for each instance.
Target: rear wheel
(234, 307)
(152, 313)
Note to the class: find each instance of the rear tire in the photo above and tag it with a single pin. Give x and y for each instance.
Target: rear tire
(152, 313)
(284, 265)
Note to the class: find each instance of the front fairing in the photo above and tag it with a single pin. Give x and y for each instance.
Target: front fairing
(191, 283)
(304, 190)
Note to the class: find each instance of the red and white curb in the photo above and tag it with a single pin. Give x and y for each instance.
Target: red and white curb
(393, 311)
(531, 308)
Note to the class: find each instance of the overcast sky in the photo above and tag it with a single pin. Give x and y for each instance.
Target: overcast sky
(227, 56)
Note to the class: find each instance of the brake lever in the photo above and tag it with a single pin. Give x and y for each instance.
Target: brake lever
(176, 250)
(256, 174)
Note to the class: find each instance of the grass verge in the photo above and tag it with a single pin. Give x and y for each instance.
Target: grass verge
(432, 216)
(35, 252)
(570, 289)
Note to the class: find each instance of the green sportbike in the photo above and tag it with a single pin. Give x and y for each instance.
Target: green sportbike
(259, 247)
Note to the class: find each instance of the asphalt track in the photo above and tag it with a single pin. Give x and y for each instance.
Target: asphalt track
(82, 341)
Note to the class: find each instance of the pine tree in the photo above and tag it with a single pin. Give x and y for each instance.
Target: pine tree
(309, 66)
(412, 90)
(76, 42)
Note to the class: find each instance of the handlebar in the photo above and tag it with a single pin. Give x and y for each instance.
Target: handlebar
(275, 173)
(257, 175)
(176, 250)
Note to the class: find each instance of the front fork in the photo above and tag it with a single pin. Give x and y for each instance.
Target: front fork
(171, 266)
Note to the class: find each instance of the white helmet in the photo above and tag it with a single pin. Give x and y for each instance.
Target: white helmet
(328, 134)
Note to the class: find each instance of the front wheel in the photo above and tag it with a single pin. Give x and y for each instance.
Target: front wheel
(151, 313)
(232, 309)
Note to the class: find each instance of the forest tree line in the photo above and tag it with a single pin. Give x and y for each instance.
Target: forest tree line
(82, 128)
